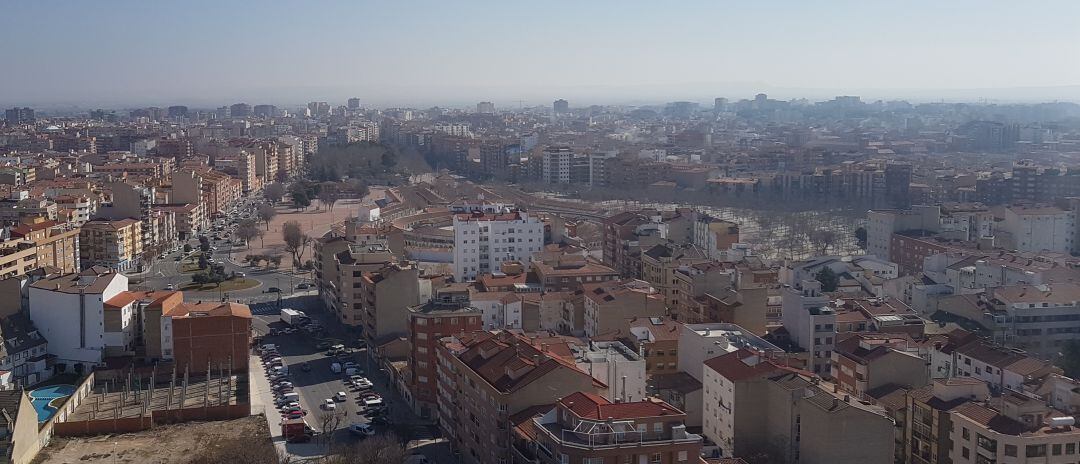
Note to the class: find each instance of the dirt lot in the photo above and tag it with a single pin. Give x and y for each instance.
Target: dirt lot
(173, 444)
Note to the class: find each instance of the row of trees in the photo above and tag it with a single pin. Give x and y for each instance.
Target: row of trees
(380, 449)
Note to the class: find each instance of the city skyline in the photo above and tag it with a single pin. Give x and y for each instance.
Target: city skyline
(200, 54)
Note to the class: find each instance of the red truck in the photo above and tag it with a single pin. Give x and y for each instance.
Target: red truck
(296, 430)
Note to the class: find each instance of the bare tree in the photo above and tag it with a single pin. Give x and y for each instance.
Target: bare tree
(247, 230)
(328, 194)
(266, 212)
(329, 421)
(274, 192)
(296, 241)
(380, 449)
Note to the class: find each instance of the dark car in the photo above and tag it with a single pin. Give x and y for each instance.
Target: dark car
(302, 286)
(273, 290)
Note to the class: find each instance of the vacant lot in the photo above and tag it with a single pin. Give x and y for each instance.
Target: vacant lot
(172, 444)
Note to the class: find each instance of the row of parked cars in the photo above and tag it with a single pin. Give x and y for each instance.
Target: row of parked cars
(286, 399)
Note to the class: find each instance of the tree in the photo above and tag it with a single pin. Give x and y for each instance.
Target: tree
(274, 192)
(247, 230)
(296, 241)
(384, 448)
(358, 188)
(266, 213)
(1070, 358)
(388, 159)
(829, 280)
(860, 236)
(328, 194)
(198, 278)
(329, 421)
(300, 199)
(275, 260)
(203, 262)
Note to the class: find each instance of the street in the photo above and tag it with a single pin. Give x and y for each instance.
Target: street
(320, 383)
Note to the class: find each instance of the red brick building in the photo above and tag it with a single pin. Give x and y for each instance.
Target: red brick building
(205, 335)
(427, 324)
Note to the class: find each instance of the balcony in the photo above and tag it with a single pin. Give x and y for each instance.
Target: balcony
(596, 435)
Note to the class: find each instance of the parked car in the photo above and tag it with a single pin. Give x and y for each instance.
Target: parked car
(328, 404)
(302, 286)
(322, 346)
(273, 290)
(363, 430)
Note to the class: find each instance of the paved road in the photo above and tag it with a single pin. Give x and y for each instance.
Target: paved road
(320, 383)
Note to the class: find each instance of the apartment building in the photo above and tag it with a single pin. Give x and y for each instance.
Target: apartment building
(810, 322)
(24, 358)
(384, 295)
(115, 244)
(701, 342)
(963, 354)
(444, 316)
(55, 244)
(1039, 319)
(486, 378)
(486, 235)
(1014, 428)
(657, 340)
(607, 305)
(584, 428)
(1038, 228)
(864, 362)
(729, 382)
(20, 442)
(691, 282)
(660, 263)
(795, 418)
(70, 312)
(17, 257)
(198, 336)
(615, 365)
(556, 164)
(926, 431)
(882, 224)
(566, 272)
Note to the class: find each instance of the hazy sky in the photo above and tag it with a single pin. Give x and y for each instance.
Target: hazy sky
(425, 52)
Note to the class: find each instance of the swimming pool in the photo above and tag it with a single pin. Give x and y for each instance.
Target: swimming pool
(41, 398)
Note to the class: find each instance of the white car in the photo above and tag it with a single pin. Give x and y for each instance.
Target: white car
(362, 429)
(341, 396)
(373, 402)
(328, 404)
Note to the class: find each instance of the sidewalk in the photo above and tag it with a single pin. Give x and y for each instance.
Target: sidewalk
(262, 402)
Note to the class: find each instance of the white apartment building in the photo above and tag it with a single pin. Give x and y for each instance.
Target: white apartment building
(486, 235)
(700, 342)
(499, 310)
(811, 322)
(1037, 318)
(881, 224)
(70, 312)
(555, 166)
(617, 366)
(1038, 228)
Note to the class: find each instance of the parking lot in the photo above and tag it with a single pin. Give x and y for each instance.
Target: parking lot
(318, 383)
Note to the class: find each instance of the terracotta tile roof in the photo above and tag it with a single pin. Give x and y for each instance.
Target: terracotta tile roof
(509, 361)
(733, 367)
(209, 309)
(122, 299)
(989, 418)
(592, 406)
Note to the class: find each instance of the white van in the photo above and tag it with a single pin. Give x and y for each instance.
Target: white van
(291, 396)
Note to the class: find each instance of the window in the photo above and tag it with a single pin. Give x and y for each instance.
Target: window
(1056, 449)
(1070, 448)
(682, 456)
(1010, 450)
(987, 444)
(966, 453)
(1035, 451)
(656, 458)
(564, 459)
